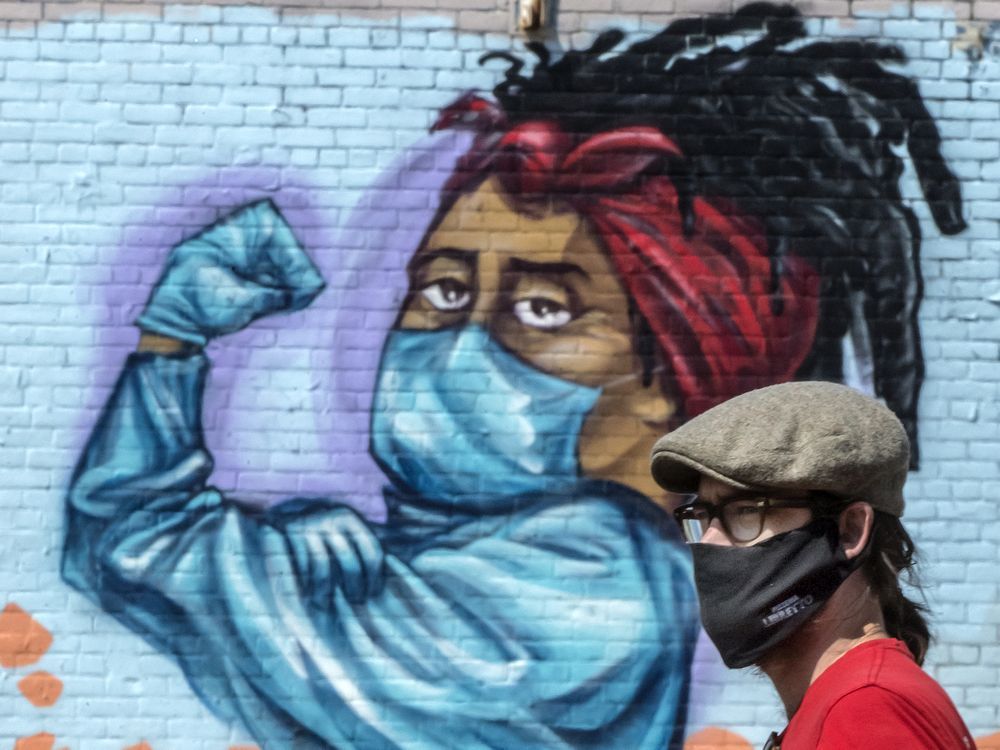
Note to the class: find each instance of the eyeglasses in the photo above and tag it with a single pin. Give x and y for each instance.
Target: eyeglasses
(743, 518)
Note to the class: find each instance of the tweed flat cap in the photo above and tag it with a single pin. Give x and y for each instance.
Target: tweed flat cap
(793, 436)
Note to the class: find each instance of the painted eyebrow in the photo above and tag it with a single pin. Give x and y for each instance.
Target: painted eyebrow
(546, 269)
(466, 257)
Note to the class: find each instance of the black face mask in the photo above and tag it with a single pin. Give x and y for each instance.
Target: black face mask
(753, 598)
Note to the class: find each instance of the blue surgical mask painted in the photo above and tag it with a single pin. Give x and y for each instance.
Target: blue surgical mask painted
(459, 419)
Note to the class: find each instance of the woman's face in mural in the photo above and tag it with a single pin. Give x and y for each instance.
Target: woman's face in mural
(545, 289)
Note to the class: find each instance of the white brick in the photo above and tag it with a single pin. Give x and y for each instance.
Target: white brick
(121, 134)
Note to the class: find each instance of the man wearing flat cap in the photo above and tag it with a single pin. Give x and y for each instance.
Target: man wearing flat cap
(798, 548)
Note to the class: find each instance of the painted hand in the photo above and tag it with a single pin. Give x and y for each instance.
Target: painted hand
(244, 267)
(334, 546)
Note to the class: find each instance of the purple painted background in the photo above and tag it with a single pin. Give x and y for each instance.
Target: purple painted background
(288, 404)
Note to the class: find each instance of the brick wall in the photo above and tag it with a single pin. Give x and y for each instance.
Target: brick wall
(125, 127)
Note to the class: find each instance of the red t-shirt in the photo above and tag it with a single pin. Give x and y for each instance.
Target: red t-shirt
(875, 696)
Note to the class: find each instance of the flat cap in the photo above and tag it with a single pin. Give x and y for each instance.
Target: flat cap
(794, 436)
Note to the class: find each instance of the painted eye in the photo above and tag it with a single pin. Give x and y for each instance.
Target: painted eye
(541, 312)
(447, 294)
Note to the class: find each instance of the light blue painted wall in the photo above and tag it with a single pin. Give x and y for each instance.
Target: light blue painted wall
(117, 137)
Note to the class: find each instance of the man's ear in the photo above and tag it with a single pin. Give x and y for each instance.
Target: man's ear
(856, 521)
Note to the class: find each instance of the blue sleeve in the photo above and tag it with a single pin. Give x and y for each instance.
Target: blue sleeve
(565, 626)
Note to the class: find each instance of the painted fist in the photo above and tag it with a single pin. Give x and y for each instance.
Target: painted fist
(243, 267)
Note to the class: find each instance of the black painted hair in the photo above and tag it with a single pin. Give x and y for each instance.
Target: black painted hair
(799, 134)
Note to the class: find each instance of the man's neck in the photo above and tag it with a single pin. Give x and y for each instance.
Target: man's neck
(852, 616)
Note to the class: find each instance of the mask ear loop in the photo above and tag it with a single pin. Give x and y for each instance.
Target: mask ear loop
(862, 556)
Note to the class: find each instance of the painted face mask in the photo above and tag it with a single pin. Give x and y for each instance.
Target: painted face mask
(459, 419)
(753, 598)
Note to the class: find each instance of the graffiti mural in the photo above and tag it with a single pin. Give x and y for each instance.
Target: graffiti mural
(631, 234)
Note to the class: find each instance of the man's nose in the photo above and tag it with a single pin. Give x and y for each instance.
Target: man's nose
(715, 534)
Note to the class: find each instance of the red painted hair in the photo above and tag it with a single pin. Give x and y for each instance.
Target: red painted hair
(723, 321)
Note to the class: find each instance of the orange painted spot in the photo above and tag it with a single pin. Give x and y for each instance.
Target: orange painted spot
(141, 746)
(714, 738)
(23, 639)
(41, 688)
(43, 741)
(989, 743)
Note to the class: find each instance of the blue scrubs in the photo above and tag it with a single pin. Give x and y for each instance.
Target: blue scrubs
(546, 621)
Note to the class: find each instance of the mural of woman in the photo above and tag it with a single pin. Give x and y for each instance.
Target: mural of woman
(600, 267)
